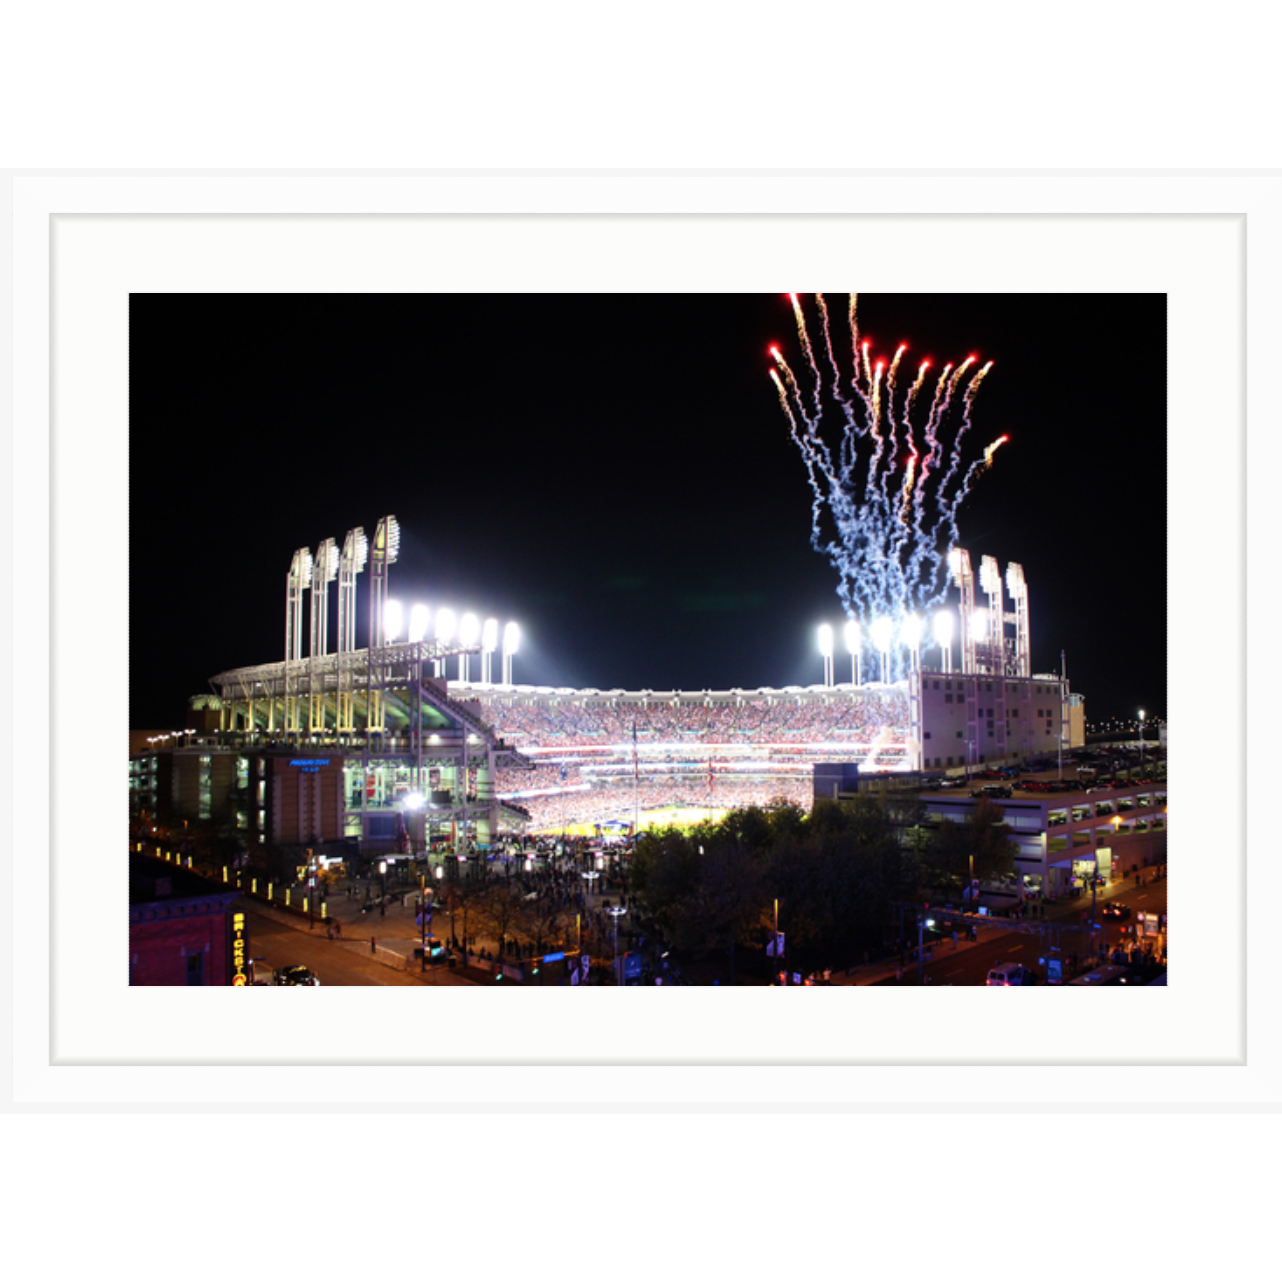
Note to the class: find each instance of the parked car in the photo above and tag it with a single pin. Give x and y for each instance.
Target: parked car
(1007, 974)
(294, 975)
(992, 790)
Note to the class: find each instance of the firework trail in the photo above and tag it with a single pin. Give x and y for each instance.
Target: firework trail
(886, 486)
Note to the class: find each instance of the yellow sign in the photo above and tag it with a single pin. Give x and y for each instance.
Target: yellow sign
(238, 975)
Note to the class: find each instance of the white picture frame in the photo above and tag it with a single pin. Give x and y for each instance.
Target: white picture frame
(83, 243)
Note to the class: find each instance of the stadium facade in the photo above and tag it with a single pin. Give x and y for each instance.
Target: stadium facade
(377, 750)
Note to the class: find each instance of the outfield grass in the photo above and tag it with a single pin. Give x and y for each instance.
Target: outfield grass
(666, 817)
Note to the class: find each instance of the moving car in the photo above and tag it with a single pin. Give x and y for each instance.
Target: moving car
(294, 975)
(1120, 911)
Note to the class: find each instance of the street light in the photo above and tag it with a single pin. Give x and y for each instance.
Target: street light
(1141, 739)
(825, 649)
(616, 913)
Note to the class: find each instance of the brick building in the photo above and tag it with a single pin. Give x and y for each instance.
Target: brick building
(183, 930)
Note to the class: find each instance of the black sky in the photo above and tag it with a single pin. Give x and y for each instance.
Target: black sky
(615, 473)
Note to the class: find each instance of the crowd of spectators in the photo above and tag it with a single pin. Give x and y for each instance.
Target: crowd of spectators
(784, 733)
(569, 722)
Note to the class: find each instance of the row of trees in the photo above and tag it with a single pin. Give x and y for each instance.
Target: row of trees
(836, 877)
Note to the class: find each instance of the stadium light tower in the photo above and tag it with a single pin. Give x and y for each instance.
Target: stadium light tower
(883, 633)
(419, 617)
(324, 571)
(990, 579)
(351, 563)
(511, 641)
(944, 638)
(1017, 588)
(825, 649)
(489, 643)
(444, 633)
(910, 634)
(469, 632)
(386, 547)
(298, 581)
(855, 644)
(393, 617)
(959, 569)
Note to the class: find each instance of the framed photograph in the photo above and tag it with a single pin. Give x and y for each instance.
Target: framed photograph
(88, 249)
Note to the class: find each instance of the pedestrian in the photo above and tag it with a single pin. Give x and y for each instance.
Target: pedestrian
(371, 944)
(330, 932)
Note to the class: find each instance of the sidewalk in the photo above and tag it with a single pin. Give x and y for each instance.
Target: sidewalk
(389, 938)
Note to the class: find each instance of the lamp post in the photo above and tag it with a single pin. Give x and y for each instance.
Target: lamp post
(616, 913)
(589, 877)
(1141, 740)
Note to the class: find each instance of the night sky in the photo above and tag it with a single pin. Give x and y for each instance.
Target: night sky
(615, 473)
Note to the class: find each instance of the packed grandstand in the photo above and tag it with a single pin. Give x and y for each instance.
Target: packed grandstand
(618, 756)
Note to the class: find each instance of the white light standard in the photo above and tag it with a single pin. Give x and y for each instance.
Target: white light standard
(616, 913)
(910, 634)
(944, 638)
(444, 634)
(855, 644)
(883, 632)
(489, 643)
(469, 632)
(825, 649)
(392, 619)
(511, 641)
(419, 615)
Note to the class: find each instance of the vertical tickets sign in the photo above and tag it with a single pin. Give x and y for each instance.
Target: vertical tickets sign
(239, 974)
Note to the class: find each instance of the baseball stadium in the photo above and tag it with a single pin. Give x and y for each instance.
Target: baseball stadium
(396, 747)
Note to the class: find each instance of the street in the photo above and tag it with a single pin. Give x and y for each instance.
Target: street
(334, 964)
(1069, 932)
